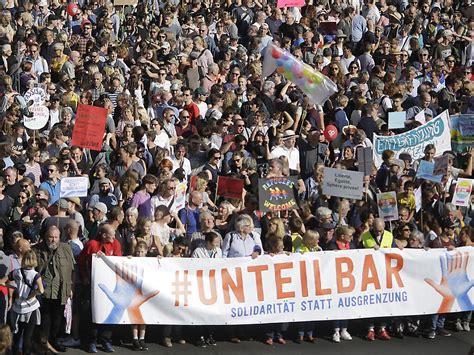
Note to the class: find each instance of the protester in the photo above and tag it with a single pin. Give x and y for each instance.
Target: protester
(182, 94)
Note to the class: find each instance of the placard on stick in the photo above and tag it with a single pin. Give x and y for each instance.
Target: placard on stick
(364, 158)
(89, 127)
(387, 204)
(229, 187)
(343, 183)
(277, 194)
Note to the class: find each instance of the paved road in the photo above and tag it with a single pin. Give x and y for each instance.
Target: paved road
(458, 344)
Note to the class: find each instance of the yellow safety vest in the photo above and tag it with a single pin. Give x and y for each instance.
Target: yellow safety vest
(368, 240)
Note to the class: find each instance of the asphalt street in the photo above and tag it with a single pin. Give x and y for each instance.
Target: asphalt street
(461, 343)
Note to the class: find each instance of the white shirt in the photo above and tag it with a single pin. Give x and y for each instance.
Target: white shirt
(162, 140)
(185, 164)
(292, 154)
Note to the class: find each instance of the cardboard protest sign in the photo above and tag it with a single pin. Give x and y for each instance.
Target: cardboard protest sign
(74, 186)
(290, 3)
(425, 171)
(462, 193)
(388, 207)
(89, 128)
(343, 183)
(229, 187)
(396, 120)
(180, 196)
(364, 158)
(277, 194)
(437, 132)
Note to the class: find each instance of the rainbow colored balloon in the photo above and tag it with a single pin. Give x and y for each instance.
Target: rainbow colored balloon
(314, 84)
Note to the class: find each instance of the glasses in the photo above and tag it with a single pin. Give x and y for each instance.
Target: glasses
(24, 186)
(217, 157)
(335, 69)
(236, 160)
(51, 170)
(171, 187)
(236, 74)
(240, 125)
(162, 37)
(186, 115)
(450, 61)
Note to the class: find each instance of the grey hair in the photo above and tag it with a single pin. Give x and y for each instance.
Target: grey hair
(322, 212)
(249, 163)
(418, 235)
(205, 214)
(241, 221)
(132, 211)
(268, 85)
(450, 207)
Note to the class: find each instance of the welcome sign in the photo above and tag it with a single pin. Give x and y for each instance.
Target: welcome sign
(345, 284)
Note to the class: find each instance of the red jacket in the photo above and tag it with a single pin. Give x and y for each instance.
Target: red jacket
(93, 247)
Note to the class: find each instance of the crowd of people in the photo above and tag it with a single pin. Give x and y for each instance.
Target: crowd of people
(181, 82)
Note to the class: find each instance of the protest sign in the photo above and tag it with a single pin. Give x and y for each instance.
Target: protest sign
(38, 118)
(180, 196)
(343, 183)
(38, 115)
(387, 204)
(192, 182)
(396, 120)
(425, 171)
(441, 165)
(364, 159)
(74, 186)
(418, 199)
(35, 96)
(229, 187)
(413, 142)
(89, 128)
(125, 2)
(420, 117)
(462, 193)
(462, 132)
(290, 3)
(277, 194)
(349, 284)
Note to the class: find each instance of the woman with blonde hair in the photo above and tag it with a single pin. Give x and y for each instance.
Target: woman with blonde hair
(224, 216)
(24, 305)
(205, 57)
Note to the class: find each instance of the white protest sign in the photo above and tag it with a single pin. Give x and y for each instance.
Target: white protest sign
(35, 99)
(39, 117)
(462, 193)
(37, 95)
(343, 183)
(420, 117)
(418, 199)
(74, 187)
(387, 203)
(180, 196)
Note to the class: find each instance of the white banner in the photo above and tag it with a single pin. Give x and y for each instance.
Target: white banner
(360, 283)
(437, 132)
(74, 186)
(343, 183)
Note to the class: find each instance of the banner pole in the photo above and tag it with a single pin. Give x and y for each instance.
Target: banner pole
(215, 195)
(340, 214)
(391, 229)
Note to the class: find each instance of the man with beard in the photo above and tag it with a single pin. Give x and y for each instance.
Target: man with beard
(56, 266)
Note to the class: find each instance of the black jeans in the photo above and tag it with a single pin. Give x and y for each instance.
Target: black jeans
(52, 314)
(25, 329)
